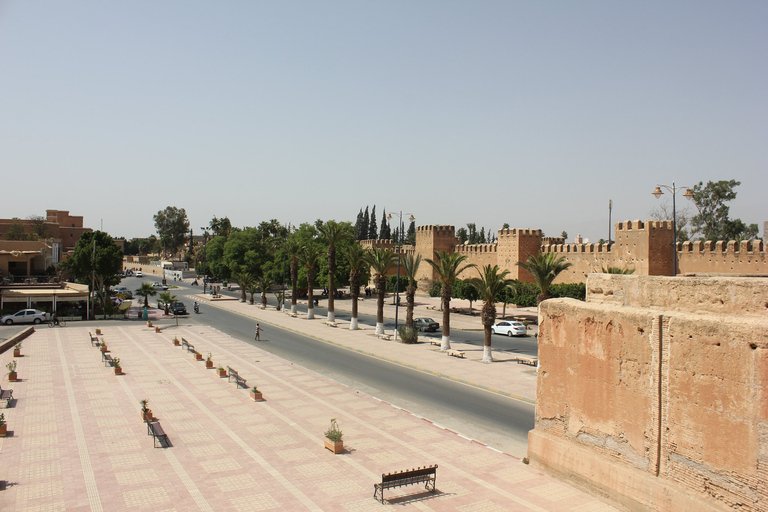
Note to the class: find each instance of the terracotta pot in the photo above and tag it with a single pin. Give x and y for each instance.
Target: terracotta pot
(334, 446)
(118, 371)
(176, 342)
(98, 331)
(157, 329)
(147, 416)
(222, 373)
(257, 396)
(104, 348)
(12, 376)
(208, 364)
(3, 430)
(198, 356)
(17, 352)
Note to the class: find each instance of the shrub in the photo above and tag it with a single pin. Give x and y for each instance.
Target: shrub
(572, 290)
(408, 334)
(435, 289)
(334, 433)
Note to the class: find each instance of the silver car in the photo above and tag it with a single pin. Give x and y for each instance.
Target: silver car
(26, 316)
(509, 327)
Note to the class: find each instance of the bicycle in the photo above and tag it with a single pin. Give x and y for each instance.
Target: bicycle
(60, 323)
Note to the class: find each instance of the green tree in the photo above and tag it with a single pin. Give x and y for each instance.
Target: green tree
(146, 290)
(410, 237)
(292, 251)
(16, 230)
(448, 266)
(39, 227)
(380, 261)
(172, 227)
(220, 227)
(544, 268)
(244, 280)
(712, 221)
(334, 233)
(356, 260)
(96, 257)
(166, 298)
(491, 284)
(372, 233)
(411, 265)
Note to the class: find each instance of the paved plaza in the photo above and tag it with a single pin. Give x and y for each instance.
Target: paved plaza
(77, 442)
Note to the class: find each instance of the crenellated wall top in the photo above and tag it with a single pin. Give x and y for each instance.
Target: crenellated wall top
(754, 246)
(476, 248)
(639, 225)
(519, 232)
(576, 248)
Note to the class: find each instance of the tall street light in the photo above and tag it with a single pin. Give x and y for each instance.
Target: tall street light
(657, 193)
(399, 243)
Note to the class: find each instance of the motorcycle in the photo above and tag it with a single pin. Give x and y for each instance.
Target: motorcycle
(197, 308)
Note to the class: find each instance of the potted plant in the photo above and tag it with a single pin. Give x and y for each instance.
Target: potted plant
(209, 361)
(149, 323)
(333, 437)
(12, 377)
(104, 346)
(222, 372)
(98, 331)
(256, 394)
(3, 426)
(157, 328)
(146, 412)
(116, 364)
(17, 350)
(176, 341)
(198, 356)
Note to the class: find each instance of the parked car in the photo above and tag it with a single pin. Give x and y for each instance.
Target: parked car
(178, 308)
(159, 285)
(425, 325)
(139, 273)
(26, 316)
(510, 328)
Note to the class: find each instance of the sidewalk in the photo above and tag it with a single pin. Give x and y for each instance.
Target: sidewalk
(76, 441)
(505, 376)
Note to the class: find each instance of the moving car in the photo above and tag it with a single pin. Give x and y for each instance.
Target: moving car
(159, 285)
(509, 327)
(139, 273)
(425, 325)
(178, 308)
(26, 316)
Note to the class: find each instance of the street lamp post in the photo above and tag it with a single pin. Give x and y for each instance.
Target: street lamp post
(688, 193)
(399, 243)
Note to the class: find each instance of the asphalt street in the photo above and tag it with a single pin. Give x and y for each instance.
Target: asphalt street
(494, 419)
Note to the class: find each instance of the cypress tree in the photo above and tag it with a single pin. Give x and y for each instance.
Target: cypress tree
(372, 234)
(366, 222)
(410, 238)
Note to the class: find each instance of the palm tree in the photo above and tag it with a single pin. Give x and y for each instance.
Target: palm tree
(544, 268)
(617, 270)
(244, 280)
(357, 263)
(411, 266)
(264, 283)
(292, 250)
(448, 266)
(145, 291)
(490, 285)
(252, 289)
(310, 254)
(166, 298)
(333, 233)
(380, 260)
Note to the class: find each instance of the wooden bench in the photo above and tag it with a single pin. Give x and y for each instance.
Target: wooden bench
(426, 475)
(187, 345)
(385, 336)
(532, 361)
(232, 374)
(331, 324)
(7, 395)
(455, 353)
(94, 340)
(108, 361)
(433, 341)
(155, 430)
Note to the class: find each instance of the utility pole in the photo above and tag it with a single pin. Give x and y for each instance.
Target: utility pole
(610, 207)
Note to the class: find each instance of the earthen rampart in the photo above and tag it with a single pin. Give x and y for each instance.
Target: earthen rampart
(654, 391)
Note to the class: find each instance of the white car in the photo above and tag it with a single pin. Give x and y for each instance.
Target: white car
(509, 327)
(26, 316)
(139, 273)
(159, 285)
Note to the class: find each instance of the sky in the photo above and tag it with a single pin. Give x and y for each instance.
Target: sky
(531, 113)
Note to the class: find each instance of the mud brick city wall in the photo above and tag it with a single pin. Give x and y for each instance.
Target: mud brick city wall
(655, 390)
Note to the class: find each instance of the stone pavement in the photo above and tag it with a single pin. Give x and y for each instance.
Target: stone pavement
(76, 441)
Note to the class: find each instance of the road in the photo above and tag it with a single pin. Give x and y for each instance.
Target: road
(485, 416)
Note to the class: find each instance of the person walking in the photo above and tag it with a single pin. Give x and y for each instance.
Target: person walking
(258, 332)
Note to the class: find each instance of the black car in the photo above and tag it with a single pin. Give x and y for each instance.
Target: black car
(425, 325)
(178, 308)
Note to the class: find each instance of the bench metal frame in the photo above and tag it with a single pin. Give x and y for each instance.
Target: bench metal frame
(155, 430)
(232, 374)
(426, 475)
